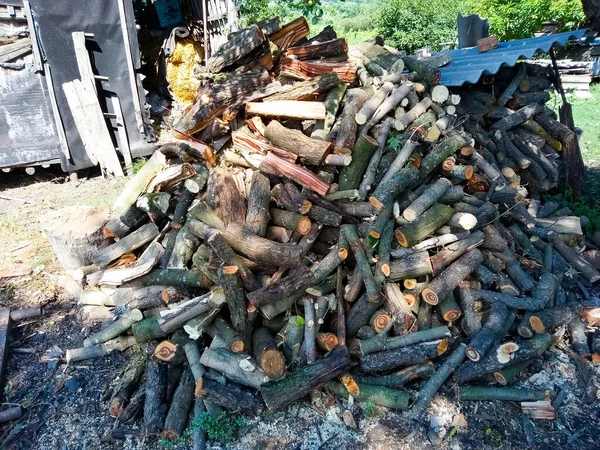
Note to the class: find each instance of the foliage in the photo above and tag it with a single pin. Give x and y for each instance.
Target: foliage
(517, 19)
(369, 409)
(412, 24)
(138, 164)
(583, 207)
(222, 429)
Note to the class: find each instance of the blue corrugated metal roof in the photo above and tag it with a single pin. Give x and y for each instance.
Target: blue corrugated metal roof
(468, 64)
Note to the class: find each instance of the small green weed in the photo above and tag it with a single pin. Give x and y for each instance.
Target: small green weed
(369, 409)
(222, 429)
(138, 164)
(180, 442)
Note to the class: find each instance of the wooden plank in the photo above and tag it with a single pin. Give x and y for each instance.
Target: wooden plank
(37, 57)
(91, 125)
(83, 58)
(122, 133)
(5, 325)
(80, 121)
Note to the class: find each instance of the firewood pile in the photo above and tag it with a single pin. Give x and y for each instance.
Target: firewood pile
(361, 230)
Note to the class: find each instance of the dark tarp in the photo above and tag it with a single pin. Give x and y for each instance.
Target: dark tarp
(56, 20)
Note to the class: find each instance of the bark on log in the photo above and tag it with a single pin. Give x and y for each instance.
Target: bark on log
(449, 279)
(411, 266)
(489, 334)
(351, 175)
(279, 394)
(334, 47)
(304, 70)
(436, 380)
(230, 365)
(155, 407)
(268, 357)
(114, 329)
(398, 379)
(257, 215)
(277, 166)
(236, 47)
(97, 351)
(403, 356)
(388, 190)
(498, 358)
(355, 99)
(229, 396)
(377, 395)
(479, 393)
(382, 342)
(414, 232)
(362, 262)
(297, 281)
(371, 105)
(455, 250)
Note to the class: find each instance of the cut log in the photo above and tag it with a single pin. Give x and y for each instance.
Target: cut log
(129, 243)
(455, 250)
(398, 379)
(403, 356)
(279, 394)
(115, 329)
(388, 190)
(128, 381)
(500, 357)
(238, 368)
(361, 260)
(257, 215)
(76, 234)
(382, 342)
(290, 33)
(155, 407)
(229, 396)
(581, 265)
(352, 174)
(275, 165)
(299, 110)
(376, 395)
(449, 279)
(512, 86)
(297, 281)
(489, 334)
(427, 199)
(355, 99)
(432, 219)
(371, 105)
(411, 266)
(97, 351)
(181, 405)
(268, 357)
(436, 380)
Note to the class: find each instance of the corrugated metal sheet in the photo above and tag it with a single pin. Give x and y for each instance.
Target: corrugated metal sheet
(468, 65)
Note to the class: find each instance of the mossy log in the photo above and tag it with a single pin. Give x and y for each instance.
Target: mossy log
(375, 394)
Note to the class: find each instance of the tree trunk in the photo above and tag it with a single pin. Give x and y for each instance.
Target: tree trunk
(76, 234)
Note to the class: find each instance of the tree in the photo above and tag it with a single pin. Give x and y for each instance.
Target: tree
(413, 24)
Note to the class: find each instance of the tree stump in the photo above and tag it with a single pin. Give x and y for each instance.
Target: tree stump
(75, 233)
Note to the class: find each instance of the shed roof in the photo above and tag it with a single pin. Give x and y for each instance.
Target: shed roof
(468, 64)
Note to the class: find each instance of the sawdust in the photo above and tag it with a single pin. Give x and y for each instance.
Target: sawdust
(187, 55)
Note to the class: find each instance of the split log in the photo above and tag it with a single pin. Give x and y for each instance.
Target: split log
(290, 220)
(279, 394)
(237, 46)
(309, 89)
(192, 309)
(311, 151)
(275, 165)
(290, 33)
(449, 279)
(512, 86)
(304, 70)
(300, 110)
(334, 47)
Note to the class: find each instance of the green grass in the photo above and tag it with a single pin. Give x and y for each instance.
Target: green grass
(585, 115)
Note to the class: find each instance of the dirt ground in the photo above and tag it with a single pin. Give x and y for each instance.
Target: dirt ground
(66, 406)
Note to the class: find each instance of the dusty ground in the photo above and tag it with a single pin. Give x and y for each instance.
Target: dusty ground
(66, 409)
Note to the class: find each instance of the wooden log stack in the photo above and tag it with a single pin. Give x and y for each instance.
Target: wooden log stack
(359, 249)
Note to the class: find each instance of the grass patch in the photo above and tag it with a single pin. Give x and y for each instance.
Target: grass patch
(585, 115)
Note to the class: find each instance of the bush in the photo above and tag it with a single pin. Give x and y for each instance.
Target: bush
(412, 24)
(518, 19)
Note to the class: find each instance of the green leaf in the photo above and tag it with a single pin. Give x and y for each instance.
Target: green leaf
(300, 321)
(315, 20)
